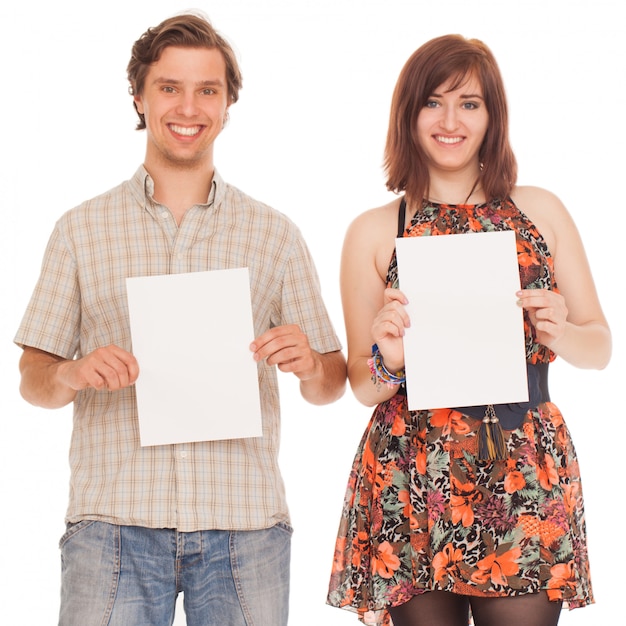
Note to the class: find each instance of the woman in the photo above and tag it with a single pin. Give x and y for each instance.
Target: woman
(433, 526)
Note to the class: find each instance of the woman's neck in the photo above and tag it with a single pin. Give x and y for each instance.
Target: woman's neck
(456, 189)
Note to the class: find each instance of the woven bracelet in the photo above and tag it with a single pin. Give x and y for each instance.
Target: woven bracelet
(381, 373)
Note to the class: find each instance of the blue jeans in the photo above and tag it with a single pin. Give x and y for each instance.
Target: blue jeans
(130, 576)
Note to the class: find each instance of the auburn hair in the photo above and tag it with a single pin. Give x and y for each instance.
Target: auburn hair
(454, 58)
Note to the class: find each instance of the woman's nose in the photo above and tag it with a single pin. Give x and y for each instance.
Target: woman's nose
(449, 119)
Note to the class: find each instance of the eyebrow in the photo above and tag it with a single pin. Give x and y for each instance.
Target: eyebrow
(161, 80)
(466, 96)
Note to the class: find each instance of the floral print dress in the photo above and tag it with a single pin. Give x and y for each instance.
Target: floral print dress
(422, 512)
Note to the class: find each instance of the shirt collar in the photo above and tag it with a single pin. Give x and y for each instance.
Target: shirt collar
(142, 186)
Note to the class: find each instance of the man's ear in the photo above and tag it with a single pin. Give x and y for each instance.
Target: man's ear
(138, 103)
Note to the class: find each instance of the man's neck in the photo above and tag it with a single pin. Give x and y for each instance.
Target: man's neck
(180, 188)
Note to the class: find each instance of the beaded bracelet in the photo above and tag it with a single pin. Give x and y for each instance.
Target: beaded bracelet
(381, 373)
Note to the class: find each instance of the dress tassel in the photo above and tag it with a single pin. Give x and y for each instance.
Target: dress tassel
(491, 443)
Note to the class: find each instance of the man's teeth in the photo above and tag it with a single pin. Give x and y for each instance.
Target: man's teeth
(185, 130)
(449, 139)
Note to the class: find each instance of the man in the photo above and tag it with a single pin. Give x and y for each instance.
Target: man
(209, 518)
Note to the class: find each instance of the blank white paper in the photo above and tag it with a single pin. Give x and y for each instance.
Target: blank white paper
(191, 335)
(465, 345)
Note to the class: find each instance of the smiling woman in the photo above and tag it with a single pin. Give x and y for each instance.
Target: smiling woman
(451, 129)
(452, 510)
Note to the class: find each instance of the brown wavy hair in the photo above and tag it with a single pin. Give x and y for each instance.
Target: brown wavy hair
(187, 30)
(455, 58)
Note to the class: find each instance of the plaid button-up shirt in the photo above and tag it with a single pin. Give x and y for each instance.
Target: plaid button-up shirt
(79, 304)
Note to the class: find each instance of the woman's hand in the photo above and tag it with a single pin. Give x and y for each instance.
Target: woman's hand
(547, 313)
(577, 331)
(388, 329)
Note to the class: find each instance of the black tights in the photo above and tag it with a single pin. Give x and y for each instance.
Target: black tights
(440, 608)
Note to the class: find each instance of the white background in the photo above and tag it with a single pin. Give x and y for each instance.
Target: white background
(306, 137)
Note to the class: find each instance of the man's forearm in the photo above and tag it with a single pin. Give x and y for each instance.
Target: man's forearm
(40, 384)
(330, 384)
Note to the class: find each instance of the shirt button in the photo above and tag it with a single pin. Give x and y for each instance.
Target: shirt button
(164, 214)
(184, 454)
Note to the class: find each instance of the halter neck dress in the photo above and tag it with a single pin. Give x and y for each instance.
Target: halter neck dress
(422, 512)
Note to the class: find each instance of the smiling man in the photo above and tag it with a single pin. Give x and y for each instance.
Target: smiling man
(208, 519)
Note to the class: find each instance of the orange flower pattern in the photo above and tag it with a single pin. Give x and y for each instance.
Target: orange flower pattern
(422, 512)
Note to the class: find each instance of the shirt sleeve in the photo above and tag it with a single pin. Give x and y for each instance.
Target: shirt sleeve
(302, 301)
(52, 319)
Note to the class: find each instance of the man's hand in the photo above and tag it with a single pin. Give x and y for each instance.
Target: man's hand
(288, 348)
(109, 368)
(322, 376)
(51, 381)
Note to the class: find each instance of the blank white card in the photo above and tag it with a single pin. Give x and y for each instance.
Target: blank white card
(191, 334)
(465, 345)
